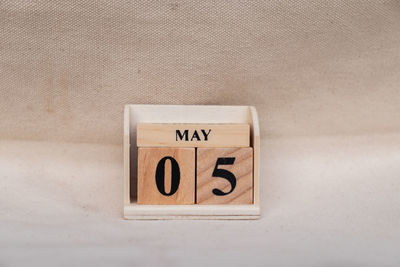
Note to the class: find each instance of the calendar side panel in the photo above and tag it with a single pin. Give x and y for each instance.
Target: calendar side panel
(255, 143)
(126, 144)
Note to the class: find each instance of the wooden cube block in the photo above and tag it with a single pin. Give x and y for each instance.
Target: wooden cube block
(224, 176)
(193, 135)
(166, 176)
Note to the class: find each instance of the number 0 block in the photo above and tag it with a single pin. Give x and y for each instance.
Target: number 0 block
(166, 176)
(224, 175)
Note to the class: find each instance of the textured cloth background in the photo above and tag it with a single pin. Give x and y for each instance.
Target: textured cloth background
(310, 67)
(324, 76)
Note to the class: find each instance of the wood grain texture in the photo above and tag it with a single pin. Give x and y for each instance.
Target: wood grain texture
(192, 135)
(148, 193)
(242, 169)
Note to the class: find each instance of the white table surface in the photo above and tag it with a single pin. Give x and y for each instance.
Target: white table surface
(326, 201)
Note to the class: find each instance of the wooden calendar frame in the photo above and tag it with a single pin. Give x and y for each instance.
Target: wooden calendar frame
(134, 114)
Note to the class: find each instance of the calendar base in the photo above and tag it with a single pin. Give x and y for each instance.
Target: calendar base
(169, 212)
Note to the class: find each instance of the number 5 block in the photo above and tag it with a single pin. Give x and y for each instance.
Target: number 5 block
(224, 175)
(166, 176)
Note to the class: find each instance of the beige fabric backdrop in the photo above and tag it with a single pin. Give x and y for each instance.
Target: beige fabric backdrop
(324, 76)
(310, 67)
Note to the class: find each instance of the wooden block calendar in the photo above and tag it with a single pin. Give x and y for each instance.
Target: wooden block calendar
(191, 162)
